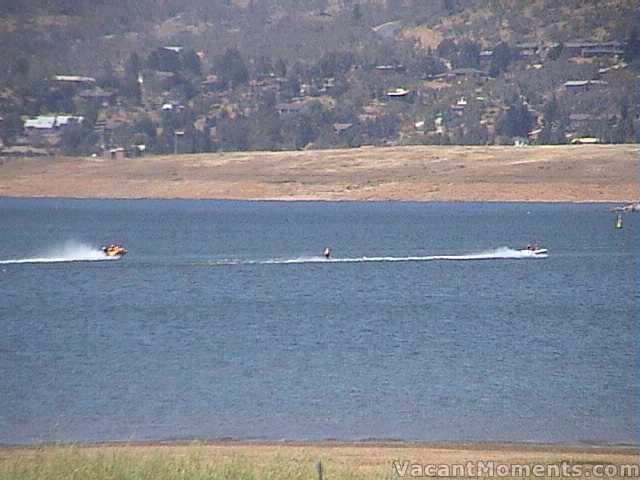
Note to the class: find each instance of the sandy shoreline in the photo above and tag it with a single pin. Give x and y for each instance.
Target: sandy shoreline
(337, 444)
(595, 173)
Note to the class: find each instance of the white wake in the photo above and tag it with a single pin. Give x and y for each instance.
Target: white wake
(495, 254)
(68, 252)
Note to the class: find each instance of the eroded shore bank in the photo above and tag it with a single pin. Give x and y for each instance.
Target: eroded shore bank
(594, 173)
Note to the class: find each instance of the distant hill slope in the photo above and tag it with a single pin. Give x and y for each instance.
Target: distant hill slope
(65, 33)
(293, 74)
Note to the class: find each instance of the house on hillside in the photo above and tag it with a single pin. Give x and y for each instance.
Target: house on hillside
(462, 73)
(528, 49)
(342, 128)
(212, 84)
(43, 124)
(73, 80)
(51, 123)
(399, 93)
(583, 123)
(593, 49)
(604, 51)
(389, 68)
(389, 29)
(577, 86)
(98, 96)
(115, 153)
(486, 56)
(585, 141)
(63, 121)
(287, 108)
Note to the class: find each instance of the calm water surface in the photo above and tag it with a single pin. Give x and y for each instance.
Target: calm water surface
(223, 322)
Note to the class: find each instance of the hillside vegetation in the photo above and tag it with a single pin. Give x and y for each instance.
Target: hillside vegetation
(169, 76)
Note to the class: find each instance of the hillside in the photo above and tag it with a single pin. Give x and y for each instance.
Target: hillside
(167, 76)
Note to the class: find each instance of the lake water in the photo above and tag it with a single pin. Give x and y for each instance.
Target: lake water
(224, 322)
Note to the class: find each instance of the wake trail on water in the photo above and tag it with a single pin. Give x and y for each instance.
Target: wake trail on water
(495, 254)
(71, 251)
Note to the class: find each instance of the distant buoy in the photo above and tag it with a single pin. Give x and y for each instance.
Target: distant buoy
(619, 221)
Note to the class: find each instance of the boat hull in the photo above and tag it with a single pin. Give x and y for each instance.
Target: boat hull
(537, 251)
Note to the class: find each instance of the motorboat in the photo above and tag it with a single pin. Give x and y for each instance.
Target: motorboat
(114, 250)
(535, 249)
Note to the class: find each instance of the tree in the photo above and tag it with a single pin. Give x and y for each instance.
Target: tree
(191, 62)
(625, 125)
(446, 48)
(502, 57)
(280, 68)
(77, 139)
(553, 124)
(13, 7)
(291, 88)
(147, 128)
(132, 66)
(164, 60)
(21, 66)
(262, 67)
(332, 64)
(304, 133)
(468, 54)
(107, 78)
(266, 129)
(632, 45)
(556, 52)
(234, 133)
(517, 121)
(427, 65)
(129, 86)
(231, 68)
(451, 6)
(10, 127)
(356, 13)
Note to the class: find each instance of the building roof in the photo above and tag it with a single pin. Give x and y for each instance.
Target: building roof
(585, 140)
(41, 123)
(64, 120)
(386, 68)
(96, 93)
(48, 122)
(291, 107)
(467, 71)
(389, 29)
(603, 50)
(578, 117)
(528, 45)
(592, 44)
(73, 78)
(342, 127)
(398, 92)
(580, 44)
(211, 79)
(576, 83)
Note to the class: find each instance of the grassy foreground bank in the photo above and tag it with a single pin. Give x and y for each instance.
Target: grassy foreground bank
(287, 461)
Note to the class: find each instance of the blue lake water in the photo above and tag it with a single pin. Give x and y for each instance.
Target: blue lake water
(223, 321)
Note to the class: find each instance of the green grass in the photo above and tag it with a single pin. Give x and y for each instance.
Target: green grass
(71, 463)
